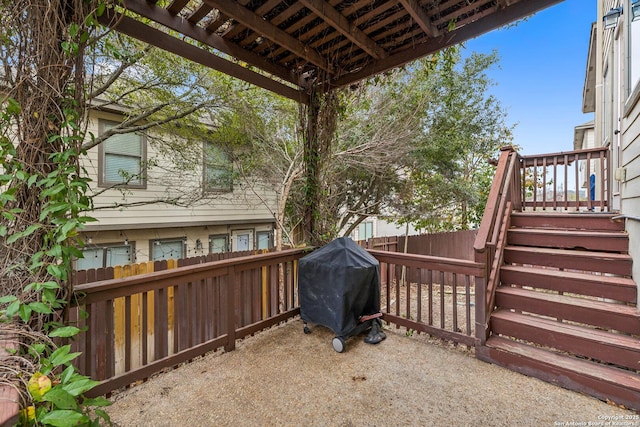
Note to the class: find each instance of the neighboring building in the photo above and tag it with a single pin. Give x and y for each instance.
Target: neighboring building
(374, 226)
(209, 213)
(612, 92)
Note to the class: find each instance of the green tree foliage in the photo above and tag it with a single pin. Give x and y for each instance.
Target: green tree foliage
(463, 128)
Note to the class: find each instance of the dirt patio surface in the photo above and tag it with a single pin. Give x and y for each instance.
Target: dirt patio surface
(282, 377)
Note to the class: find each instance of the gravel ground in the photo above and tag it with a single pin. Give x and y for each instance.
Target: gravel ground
(282, 377)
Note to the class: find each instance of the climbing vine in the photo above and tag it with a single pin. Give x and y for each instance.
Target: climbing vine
(43, 198)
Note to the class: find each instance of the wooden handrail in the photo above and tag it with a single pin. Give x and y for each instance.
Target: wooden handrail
(490, 215)
(491, 235)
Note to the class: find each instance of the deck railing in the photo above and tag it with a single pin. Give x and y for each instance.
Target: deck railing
(570, 181)
(214, 304)
(429, 294)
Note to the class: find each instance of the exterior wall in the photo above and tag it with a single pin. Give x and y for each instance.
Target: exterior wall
(150, 221)
(381, 228)
(617, 118)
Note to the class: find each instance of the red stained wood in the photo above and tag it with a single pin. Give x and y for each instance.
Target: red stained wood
(573, 220)
(569, 239)
(611, 287)
(603, 382)
(601, 262)
(608, 347)
(620, 317)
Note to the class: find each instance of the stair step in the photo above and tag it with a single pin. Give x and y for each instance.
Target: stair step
(603, 382)
(605, 241)
(603, 262)
(573, 221)
(620, 317)
(611, 287)
(621, 350)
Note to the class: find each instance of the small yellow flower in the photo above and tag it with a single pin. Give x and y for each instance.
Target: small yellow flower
(27, 414)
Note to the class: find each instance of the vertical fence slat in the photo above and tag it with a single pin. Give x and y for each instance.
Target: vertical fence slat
(454, 302)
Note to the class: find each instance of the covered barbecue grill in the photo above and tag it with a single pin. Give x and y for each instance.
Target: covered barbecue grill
(339, 288)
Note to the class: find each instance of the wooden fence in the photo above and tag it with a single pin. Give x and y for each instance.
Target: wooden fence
(416, 294)
(454, 244)
(128, 314)
(214, 304)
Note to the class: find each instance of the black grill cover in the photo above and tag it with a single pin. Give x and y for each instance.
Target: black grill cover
(337, 284)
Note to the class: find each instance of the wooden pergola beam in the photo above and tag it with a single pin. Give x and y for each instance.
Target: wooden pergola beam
(418, 14)
(459, 35)
(338, 21)
(164, 17)
(155, 37)
(269, 31)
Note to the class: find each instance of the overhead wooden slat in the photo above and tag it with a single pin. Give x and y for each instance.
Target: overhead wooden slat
(176, 6)
(140, 31)
(300, 24)
(418, 14)
(342, 25)
(269, 31)
(481, 26)
(262, 10)
(297, 41)
(199, 13)
(163, 17)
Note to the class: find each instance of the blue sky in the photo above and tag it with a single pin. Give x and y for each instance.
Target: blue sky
(540, 75)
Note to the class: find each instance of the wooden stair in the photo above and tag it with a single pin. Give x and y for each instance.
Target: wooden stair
(565, 310)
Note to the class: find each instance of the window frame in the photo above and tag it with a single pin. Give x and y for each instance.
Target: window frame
(156, 242)
(219, 236)
(102, 181)
(632, 92)
(269, 235)
(207, 186)
(105, 247)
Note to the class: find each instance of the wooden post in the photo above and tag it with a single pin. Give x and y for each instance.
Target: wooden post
(230, 306)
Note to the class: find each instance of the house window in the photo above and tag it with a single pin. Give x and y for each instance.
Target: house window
(218, 172)
(167, 249)
(634, 54)
(241, 240)
(264, 239)
(122, 159)
(105, 256)
(365, 230)
(218, 244)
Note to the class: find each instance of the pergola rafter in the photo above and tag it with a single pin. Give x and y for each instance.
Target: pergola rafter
(294, 45)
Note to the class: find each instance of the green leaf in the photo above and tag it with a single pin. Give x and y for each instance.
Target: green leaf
(8, 298)
(50, 285)
(67, 374)
(32, 179)
(55, 271)
(65, 331)
(27, 232)
(40, 307)
(13, 107)
(24, 312)
(97, 401)
(101, 8)
(76, 388)
(62, 355)
(61, 398)
(73, 29)
(13, 308)
(64, 418)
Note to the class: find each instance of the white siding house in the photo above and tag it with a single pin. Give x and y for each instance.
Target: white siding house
(612, 92)
(167, 210)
